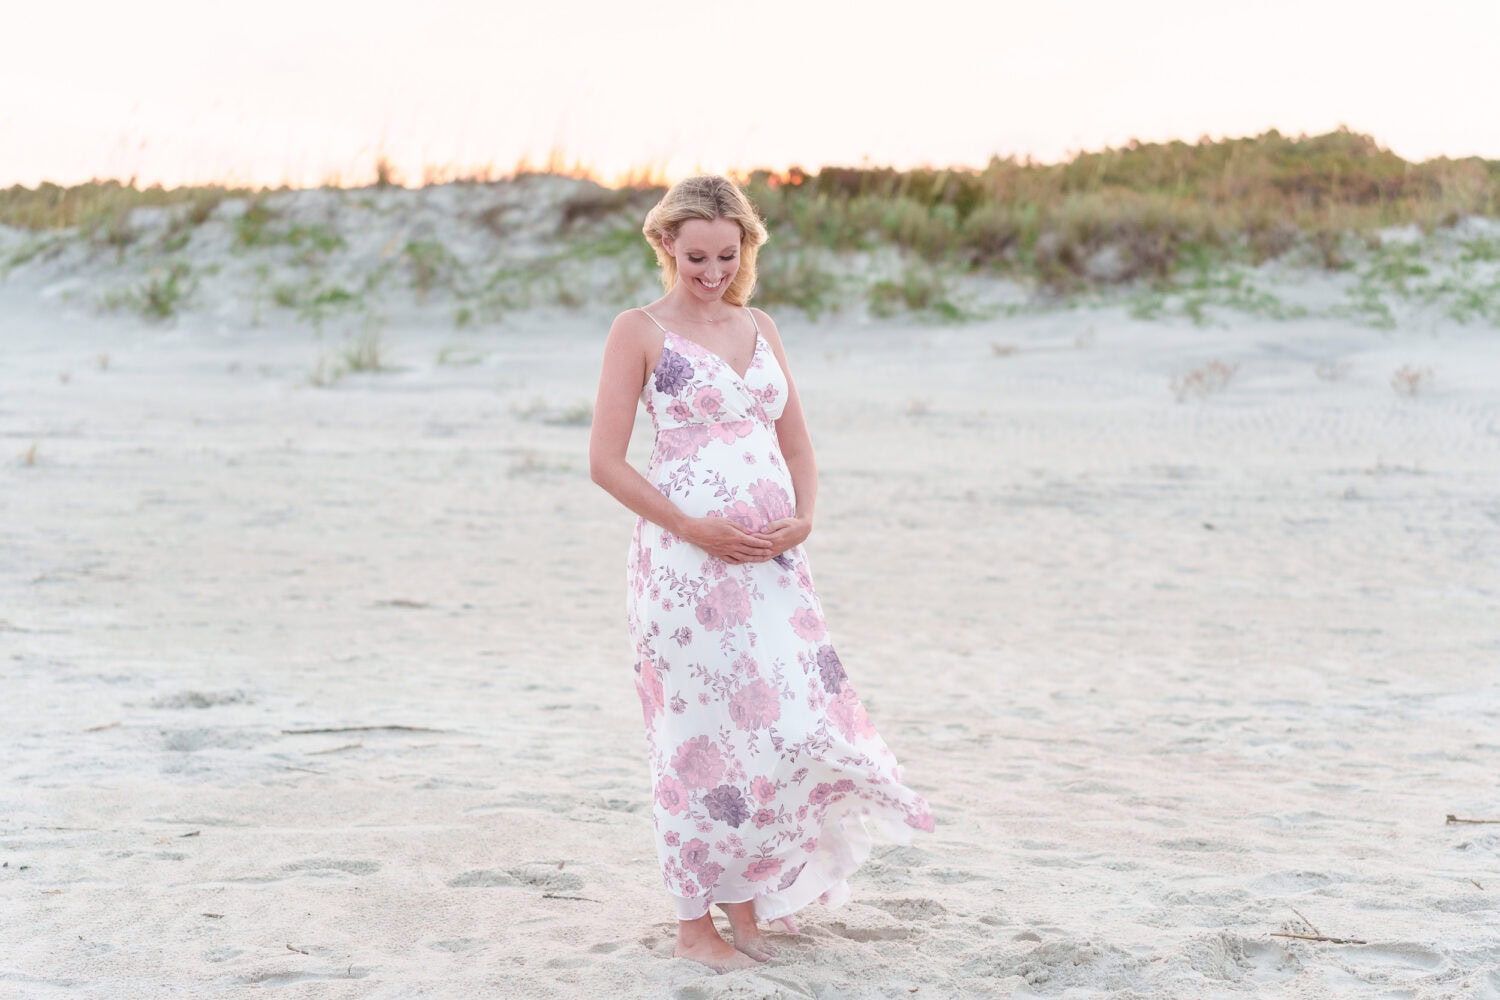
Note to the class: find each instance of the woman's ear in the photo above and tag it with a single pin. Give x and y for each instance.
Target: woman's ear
(666, 244)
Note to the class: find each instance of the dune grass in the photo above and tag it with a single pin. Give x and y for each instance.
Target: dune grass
(1178, 222)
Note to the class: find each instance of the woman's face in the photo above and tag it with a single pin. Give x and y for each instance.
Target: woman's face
(708, 256)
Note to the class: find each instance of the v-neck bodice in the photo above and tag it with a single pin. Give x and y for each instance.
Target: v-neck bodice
(692, 385)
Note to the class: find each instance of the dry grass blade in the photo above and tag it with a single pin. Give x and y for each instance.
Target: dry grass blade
(1452, 819)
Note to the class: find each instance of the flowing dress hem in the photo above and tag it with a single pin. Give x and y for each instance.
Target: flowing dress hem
(844, 845)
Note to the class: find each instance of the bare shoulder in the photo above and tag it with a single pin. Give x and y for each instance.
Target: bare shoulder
(767, 327)
(633, 328)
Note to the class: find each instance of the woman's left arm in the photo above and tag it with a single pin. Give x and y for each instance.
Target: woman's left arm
(796, 450)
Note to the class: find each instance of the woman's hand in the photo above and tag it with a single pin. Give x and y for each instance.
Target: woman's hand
(722, 538)
(787, 533)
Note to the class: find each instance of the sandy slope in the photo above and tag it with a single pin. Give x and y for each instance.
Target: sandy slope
(1176, 676)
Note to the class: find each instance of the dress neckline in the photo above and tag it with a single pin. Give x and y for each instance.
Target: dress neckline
(754, 353)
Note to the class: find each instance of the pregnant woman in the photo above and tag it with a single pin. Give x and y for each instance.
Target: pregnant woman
(768, 775)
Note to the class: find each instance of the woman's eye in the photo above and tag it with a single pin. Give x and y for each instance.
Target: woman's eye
(696, 260)
(727, 259)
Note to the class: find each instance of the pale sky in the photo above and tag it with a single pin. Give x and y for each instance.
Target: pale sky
(303, 91)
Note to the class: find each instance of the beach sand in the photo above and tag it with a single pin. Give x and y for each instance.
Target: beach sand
(326, 692)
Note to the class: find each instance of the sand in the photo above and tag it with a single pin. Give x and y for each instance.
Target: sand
(325, 691)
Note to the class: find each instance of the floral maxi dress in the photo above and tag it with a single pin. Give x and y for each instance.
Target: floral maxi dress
(767, 773)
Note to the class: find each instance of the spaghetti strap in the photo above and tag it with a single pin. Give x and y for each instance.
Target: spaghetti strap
(664, 329)
(752, 320)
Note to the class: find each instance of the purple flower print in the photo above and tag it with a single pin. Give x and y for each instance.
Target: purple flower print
(790, 876)
(698, 763)
(673, 372)
(755, 706)
(694, 854)
(831, 670)
(727, 805)
(764, 817)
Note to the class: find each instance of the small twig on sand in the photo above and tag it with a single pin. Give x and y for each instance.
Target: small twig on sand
(1477, 885)
(1319, 937)
(1309, 923)
(363, 729)
(100, 729)
(309, 770)
(346, 746)
(581, 899)
(298, 950)
(1452, 819)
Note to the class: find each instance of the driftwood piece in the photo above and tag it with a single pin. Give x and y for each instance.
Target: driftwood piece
(363, 729)
(1452, 819)
(1319, 937)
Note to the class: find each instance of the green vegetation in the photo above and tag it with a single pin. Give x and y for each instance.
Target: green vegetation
(1179, 226)
(159, 296)
(1156, 207)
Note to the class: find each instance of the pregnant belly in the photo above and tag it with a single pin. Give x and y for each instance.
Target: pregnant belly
(741, 478)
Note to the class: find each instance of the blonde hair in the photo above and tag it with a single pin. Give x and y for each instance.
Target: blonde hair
(707, 197)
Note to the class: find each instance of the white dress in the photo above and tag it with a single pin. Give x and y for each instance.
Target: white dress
(767, 773)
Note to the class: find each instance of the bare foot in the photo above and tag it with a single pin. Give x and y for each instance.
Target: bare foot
(753, 944)
(699, 941)
(716, 953)
(747, 936)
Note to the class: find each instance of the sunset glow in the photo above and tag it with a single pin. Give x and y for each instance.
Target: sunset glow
(304, 93)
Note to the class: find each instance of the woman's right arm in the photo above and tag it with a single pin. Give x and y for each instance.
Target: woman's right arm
(621, 377)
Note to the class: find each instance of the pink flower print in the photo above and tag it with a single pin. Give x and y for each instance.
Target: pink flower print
(921, 821)
(770, 499)
(725, 606)
(762, 868)
(763, 790)
(671, 796)
(820, 793)
(709, 402)
(728, 432)
(671, 838)
(694, 854)
(763, 818)
(698, 763)
(680, 442)
(744, 515)
(689, 888)
(648, 686)
(709, 874)
(808, 624)
(679, 411)
(849, 715)
(755, 706)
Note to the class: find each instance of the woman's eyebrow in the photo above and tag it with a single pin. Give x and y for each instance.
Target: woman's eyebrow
(729, 249)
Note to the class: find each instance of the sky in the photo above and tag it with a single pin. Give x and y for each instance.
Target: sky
(304, 92)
